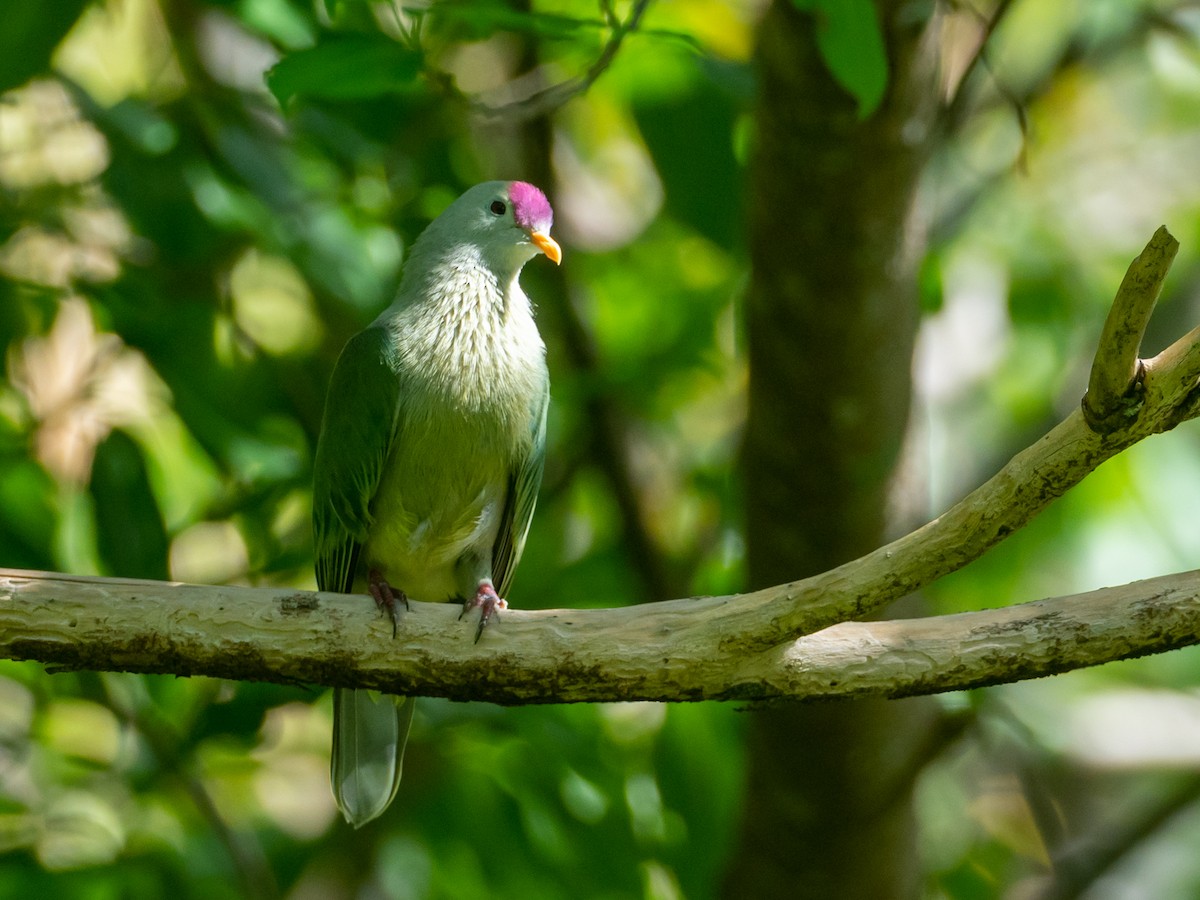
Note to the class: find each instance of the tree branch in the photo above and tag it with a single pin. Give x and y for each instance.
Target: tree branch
(660, 651)
(763, 645)
(1112, 387)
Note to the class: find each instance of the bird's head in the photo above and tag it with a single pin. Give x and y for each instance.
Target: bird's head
(508, 220)
(531, 213)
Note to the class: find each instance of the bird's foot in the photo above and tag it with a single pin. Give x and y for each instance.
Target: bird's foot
(487, 601)
(386, 597)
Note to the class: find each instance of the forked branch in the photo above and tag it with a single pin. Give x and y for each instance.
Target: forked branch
(791, 641)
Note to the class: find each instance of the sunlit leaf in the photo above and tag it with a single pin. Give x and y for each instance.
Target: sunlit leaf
(481, 18)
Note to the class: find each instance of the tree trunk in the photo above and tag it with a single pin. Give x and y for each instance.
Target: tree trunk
(831, 316)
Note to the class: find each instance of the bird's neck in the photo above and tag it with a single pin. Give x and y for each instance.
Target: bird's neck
(466, 333)
(462, 288)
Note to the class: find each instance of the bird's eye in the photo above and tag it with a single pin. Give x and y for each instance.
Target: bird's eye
(498, 207)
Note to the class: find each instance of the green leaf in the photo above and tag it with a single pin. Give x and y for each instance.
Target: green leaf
(31, 32)
(27, 513)
(851, 43)
(345, 67)
(130, 535)
(690, 137)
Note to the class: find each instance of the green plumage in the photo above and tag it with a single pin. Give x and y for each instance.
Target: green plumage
(431, 449)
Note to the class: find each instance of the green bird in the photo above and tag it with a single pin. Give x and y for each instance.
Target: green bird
(431, 450)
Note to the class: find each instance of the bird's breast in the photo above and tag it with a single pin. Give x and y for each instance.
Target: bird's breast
(464, 422)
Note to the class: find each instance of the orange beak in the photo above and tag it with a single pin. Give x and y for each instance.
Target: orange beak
(547, 245)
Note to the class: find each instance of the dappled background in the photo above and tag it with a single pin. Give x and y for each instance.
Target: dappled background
(202, 201)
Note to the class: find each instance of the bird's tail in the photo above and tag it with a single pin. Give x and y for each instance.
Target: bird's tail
(369, 734)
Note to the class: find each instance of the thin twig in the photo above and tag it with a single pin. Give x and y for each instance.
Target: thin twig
(245, 854)
(954, 109)
(554, 96)
(1087, 862)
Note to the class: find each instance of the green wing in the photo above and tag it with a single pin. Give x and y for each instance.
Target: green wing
(361, 421)
(523, 484)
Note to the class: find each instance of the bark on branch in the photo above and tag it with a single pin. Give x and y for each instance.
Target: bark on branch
(661, 651)
(791, 641)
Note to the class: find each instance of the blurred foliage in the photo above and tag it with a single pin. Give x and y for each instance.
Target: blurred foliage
(851, 44)
(182, 260)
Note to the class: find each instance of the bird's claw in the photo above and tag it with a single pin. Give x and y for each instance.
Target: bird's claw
(487, 601)
(387, 598)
